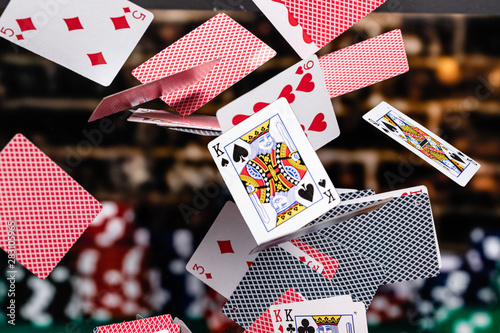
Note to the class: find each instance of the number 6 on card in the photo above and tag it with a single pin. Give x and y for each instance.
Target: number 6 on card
(273, 173)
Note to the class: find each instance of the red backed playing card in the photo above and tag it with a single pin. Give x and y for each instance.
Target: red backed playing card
(325, 20)
(264, 323)
(146, 325)
(365, 63)
(220, 37)
(47, 207)
(330, 265)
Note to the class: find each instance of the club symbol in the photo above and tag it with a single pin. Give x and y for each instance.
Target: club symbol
(290, 328)
(305, 328)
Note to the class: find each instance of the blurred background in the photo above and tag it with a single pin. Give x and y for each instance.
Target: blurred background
(161, 190)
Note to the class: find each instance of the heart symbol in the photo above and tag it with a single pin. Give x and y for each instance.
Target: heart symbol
(307, 192)
(299, 71)
(292, 20)
(322, 183)
(224, 162)
(239, 118)
(287, 93)
(259, 106)
(306, 37)
(318, 124)
(306, 84)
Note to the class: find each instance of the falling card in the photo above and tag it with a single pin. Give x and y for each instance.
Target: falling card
(336, 314)
(400, 236)
(49, 209)
(273, 173)
(303, 86)
(223, 258)
(220, 37)
(157, 324)
(365, 63)
(151, 90)
(321, 21)
(273, 272)
(173, 119)
(264, 324)
(92, 38)
(288, 27)
(427, 145)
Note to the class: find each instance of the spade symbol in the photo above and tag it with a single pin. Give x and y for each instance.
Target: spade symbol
(322, 183)
(390, 127)
(239, 154)
(307, 192)
(224, 162)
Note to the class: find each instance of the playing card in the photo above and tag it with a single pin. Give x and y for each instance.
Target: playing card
(273, 173)
(272, 273)
(427, 145)
(400, 236)
(173, 119)
(303, 86)
(263, 324)
(151, 90)
(288, 27)
(304, 257)
(328, 315)
(220, 37)
(365, 63)
(357, 274)
(223, 258)
(49, 209)
(157, 324)
(325, 20)
(196, 131)
(92, 38)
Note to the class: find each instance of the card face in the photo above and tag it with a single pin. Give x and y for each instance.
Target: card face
(330, 315)
(173, 119)
(157, 324)
(92, 38)
(222, 258)
(273, 272)
(303, 86)
(400, 236)
(288, 27)
(220, 37)
(264, 324)
(47, 209)
(325, 20)
(365, 63)
(427, 145)
(275, 177)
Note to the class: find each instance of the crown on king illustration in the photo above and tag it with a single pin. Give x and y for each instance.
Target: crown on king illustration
(326, 320)
(256, 132)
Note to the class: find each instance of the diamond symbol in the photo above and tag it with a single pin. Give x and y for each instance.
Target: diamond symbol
(120, 22)
(26, 24)
(73, 23)
(19, 37)
(303, 259)
(97, 59)
(126, 10)
(225, 247)
(208, 275)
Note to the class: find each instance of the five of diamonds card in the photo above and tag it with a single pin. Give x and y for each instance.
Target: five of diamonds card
(273, 173)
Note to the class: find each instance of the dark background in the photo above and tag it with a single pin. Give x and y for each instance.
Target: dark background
(132, 261)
